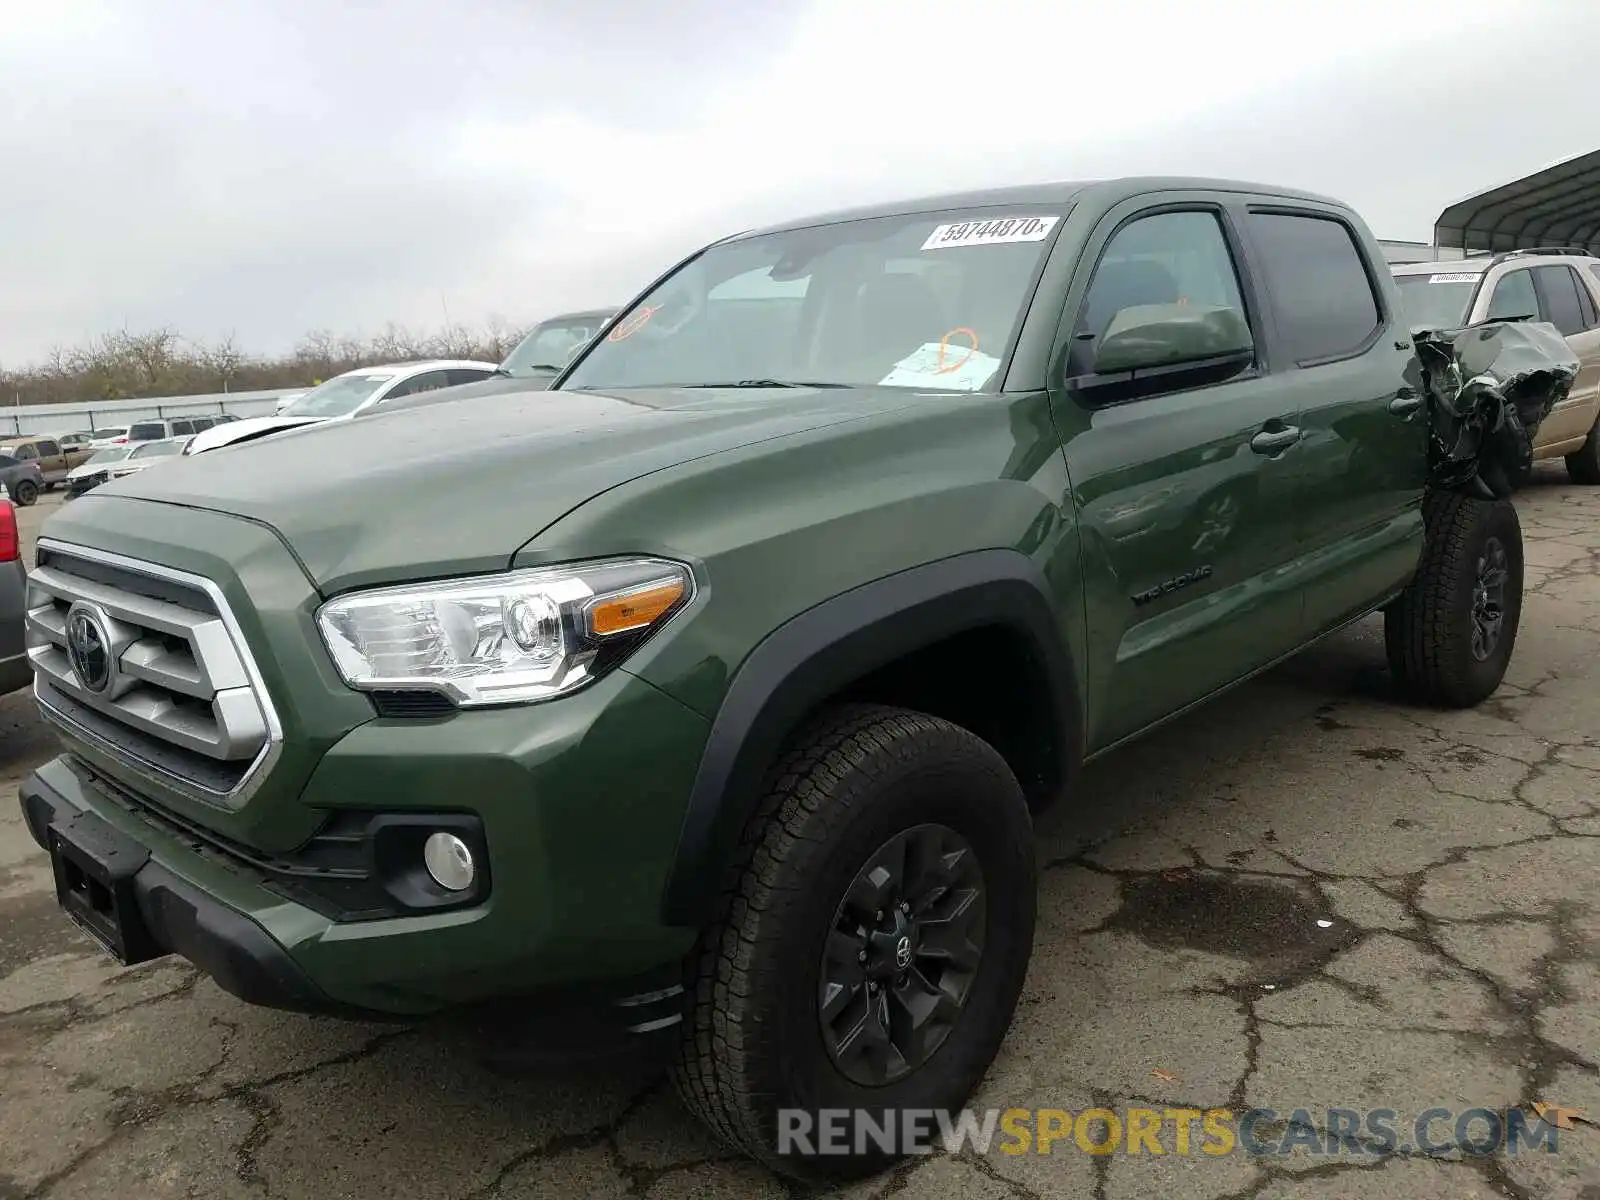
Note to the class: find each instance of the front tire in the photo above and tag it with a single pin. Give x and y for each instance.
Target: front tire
(1583, 464)
(1450, 635)
(832, 977)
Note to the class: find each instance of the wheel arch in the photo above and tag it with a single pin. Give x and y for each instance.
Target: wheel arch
(936, 638)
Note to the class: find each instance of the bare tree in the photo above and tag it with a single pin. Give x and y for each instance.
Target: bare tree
(127, 364)
(223, 358)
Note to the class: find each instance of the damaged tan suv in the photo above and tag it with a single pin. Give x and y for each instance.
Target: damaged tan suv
(1560, 285)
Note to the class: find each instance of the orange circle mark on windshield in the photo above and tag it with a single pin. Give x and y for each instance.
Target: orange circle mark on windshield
(942, 368)
(632, 323)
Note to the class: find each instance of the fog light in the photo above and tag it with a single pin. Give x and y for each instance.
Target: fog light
(449, 861)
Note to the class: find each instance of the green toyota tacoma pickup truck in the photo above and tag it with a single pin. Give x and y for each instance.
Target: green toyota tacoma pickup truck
(713, 692)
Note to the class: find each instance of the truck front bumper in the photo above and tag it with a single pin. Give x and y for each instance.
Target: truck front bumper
(578, 842)
(155, 912)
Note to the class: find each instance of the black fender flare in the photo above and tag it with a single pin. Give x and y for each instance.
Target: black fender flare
(826, 648)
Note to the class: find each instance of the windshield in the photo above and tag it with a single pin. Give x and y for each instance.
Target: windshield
(113, 454)
(1439, 300)
(338, 397)
(927, 301)
(157, 449)
(551, 345)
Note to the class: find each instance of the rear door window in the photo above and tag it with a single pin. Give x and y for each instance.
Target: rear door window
(1558, 287)
(25, 452)
(1513, 298)
(1319, 284)
(426, 382)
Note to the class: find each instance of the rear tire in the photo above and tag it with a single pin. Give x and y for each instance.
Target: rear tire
(26, 493)
(1583, 464)
(1449, 637)
(775, 980)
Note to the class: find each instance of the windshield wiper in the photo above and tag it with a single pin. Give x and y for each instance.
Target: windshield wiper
(770, 383)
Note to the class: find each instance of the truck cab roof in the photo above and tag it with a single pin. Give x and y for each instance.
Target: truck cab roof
(1107, 191)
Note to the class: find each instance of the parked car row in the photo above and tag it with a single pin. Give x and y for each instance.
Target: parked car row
(531, 365)
(116, 462)
(34, 463)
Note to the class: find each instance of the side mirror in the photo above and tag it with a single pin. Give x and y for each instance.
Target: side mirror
(1155, 336)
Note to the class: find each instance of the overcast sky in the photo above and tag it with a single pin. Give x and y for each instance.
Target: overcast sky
(265, 167)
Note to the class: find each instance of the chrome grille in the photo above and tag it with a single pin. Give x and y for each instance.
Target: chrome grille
(159, 677)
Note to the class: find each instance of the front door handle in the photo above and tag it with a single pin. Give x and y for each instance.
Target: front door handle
(1272, 441)
(1405, 403)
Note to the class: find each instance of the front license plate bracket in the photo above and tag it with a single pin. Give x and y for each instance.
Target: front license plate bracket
(94, 868)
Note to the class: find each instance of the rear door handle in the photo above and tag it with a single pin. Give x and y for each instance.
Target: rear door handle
(1405, 403)
(1271, 441)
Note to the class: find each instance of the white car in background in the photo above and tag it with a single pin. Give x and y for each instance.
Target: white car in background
(344, 397)
(90, 474)
(118, 462)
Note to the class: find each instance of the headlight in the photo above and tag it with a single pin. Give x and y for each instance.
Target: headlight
(503, 639)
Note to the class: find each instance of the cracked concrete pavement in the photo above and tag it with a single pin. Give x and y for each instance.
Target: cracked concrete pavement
(1307, 896)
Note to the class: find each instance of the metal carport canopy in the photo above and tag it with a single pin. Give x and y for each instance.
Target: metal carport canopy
(1558, 206)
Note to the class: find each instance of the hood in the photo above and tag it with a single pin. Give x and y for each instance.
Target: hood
(456, 488)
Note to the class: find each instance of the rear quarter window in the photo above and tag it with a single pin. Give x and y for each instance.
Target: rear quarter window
(1318, 283)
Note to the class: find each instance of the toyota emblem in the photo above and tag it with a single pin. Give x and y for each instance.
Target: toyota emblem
(902, 953)
(89, 649)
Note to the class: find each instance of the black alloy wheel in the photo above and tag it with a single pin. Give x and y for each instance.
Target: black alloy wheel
(902, 955)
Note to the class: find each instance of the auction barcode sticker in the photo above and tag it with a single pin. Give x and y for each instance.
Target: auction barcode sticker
(989, 233)
(1454, 277)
